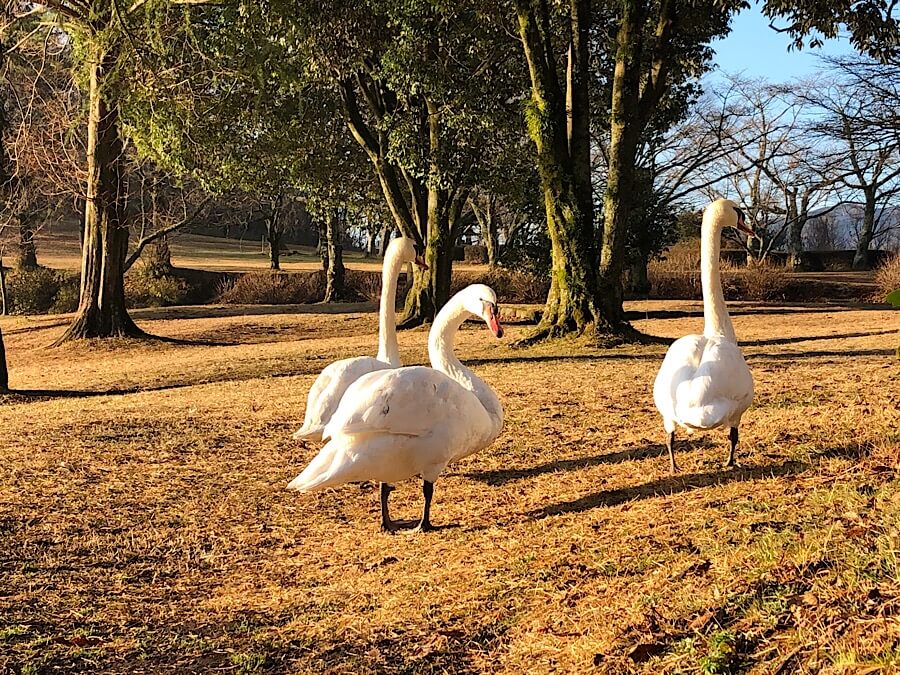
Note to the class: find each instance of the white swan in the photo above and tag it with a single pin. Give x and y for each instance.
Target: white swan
(332, 382)
(395, 424)
(704, 382)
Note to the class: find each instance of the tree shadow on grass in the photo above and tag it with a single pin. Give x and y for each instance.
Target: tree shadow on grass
(835, 353)
(813, 338)
(502, 476)
(669, 486)
(689, 482)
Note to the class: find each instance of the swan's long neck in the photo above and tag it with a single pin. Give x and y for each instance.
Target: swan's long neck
(716, 321)
(440, 352)
(388, 351)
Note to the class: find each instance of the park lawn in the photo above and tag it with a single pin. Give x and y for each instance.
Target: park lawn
(144, 524)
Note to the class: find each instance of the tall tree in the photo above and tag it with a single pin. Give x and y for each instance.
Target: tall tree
(103, 40)
(645, 47)
(869, 154)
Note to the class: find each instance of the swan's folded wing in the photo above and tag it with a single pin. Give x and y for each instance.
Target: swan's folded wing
(402, 402)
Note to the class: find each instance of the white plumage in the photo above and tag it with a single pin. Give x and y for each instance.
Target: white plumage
(393, 425)
(332, 382)
(704, 382)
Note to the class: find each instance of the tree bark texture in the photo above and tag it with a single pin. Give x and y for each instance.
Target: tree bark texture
(101, 310)
(334, 273)
(625, 131)
(558, 124)
(866, 233)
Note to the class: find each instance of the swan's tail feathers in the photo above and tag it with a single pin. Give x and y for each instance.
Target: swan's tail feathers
(309, 432)
(708, 416)
(317, 473)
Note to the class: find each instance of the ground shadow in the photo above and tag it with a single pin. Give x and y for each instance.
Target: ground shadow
(781, 309)
(502, 476)
(812, 338)
(669, 486)
(836, 353)
(227, 311)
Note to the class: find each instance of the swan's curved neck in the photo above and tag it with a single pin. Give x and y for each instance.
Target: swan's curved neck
(388, 351)
(440, 352)
(716, 321)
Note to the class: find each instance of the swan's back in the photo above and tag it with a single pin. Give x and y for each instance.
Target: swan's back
(329, 388)
(395, 424)
(703, 383)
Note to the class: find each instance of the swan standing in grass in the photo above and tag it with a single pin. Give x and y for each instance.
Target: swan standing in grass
(704, 382)
(332, 382)
(396, 424)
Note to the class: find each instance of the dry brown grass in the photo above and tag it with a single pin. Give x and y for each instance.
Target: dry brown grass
(677, 275)
(150, 531)
(887, 277)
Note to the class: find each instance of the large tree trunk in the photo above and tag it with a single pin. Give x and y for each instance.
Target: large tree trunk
(625, 130)
(334, 273)
(4, 372)
(27, 253)
(101, 310)
(559, 127)
(866, 233)
(431, 288)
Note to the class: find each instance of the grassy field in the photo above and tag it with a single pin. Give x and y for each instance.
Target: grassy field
(144, 524)
(60, 249)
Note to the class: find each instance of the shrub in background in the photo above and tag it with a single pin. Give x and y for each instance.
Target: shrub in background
(273, 288)
(41, 290)
(887, 277)
(510, 286)
(145, 290)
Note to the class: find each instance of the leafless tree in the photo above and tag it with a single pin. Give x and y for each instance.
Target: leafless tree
(858, 129)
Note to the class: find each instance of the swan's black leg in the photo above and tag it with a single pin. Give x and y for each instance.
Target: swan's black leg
(387, 525)
(428, 491)
(733, 437)
(670, 444)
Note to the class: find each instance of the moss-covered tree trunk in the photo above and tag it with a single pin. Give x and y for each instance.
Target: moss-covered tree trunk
(866, 232)
(625, 131)
(431, 288)
(334, 272)
(101, 309)
(558, 124)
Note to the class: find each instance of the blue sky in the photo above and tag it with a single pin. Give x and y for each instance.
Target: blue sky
(758, 51)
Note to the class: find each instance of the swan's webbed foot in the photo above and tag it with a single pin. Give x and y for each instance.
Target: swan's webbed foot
(425, 523)
(733, 439)
(387, 525)
(670, 444)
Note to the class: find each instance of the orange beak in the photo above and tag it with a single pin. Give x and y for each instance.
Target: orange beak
(494, 322)
(742, 225)
(420, 262)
